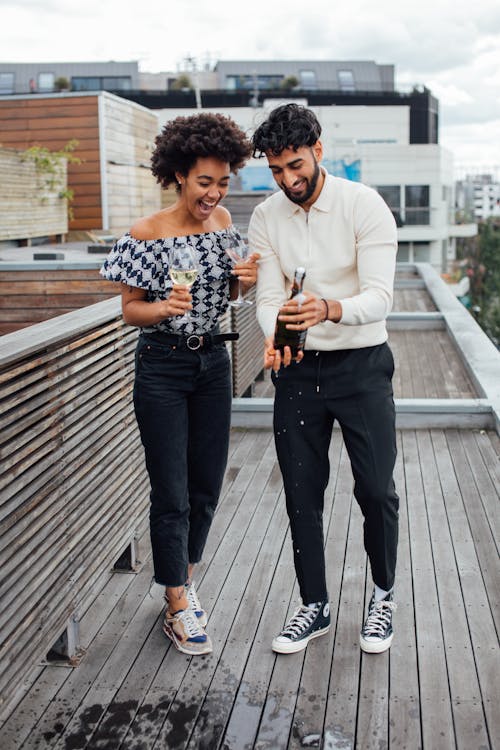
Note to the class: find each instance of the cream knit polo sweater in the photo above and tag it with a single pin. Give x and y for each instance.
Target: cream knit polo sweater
(347, 243)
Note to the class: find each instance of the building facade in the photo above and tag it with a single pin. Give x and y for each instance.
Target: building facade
(46, 78)
(478, 196)
(372, 144)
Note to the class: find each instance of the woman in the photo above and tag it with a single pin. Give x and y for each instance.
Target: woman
(182, 389)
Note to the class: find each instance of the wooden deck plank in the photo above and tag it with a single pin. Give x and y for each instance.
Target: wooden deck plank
(437, 721)
(468, 716)
(481, 531)
(404, 708)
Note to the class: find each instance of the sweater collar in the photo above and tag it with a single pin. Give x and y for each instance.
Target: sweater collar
(322, 202)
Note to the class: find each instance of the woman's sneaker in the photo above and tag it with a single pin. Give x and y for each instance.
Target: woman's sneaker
(194, 603)
(377, 634)
(305, 624)
(184, 630)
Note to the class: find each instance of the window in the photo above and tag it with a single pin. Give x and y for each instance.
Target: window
(116, 83)
(6, 83)
(96, 83)
(417, 209)
(346, 80)
(253, 82)
(46, 81)
(85, 83)
(392, 196)
(403, 255)
(308, 80)
(421, 252)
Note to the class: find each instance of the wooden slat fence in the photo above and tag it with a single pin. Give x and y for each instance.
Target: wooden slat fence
(248, 351)
(33, 295)
(30, 201)
(72, 479)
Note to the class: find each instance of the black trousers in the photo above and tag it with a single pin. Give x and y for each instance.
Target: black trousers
(182, 402)
(353, 387)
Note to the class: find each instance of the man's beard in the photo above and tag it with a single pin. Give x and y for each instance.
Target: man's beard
(311, 187)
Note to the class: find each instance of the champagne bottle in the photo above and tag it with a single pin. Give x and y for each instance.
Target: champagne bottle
(283, 336)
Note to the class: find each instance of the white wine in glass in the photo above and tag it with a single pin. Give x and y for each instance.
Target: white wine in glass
(183, 269)
(237, 250)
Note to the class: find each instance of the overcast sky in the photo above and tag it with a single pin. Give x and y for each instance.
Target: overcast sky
(451, 47)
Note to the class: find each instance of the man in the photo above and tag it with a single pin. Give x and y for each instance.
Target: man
(345, 236)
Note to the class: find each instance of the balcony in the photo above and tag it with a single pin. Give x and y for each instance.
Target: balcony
(77, 566)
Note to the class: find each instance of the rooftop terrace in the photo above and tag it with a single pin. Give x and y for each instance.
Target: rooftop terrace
(71, 506)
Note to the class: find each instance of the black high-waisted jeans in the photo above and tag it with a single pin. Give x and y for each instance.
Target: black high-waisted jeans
(182, 401)
(354, 387)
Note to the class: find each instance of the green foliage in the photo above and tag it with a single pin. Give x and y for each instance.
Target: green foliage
(61, 83)
(49, 170)
(182, 81)
(289, 83)
(483, 268)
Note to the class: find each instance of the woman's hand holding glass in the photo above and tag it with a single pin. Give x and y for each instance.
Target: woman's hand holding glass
(183, 270)
(245, 266)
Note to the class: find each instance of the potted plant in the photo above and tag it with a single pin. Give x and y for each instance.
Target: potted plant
(61, 84)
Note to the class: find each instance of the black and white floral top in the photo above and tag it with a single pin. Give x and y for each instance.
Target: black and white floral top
(144, 264)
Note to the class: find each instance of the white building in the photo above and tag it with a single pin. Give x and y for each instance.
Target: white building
(372, 144)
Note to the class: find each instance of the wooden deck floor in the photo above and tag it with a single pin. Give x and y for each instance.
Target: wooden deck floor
(437, 688)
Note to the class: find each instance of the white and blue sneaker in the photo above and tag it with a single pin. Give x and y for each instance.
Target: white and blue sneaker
(307, 622)
(184, 630)
(377, 633)
(194, 603)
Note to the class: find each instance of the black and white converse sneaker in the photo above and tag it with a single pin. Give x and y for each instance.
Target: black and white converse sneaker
(377, 634)
(306, 623)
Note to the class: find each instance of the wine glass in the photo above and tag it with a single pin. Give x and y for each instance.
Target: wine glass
(237, 249)
(183, 269)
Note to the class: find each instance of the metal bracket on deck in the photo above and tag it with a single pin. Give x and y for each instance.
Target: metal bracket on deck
(128, 562)
(66, 651)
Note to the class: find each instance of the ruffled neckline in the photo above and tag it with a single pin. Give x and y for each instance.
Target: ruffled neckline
(182, 236)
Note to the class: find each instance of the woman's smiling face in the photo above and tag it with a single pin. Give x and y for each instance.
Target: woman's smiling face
(205, 185)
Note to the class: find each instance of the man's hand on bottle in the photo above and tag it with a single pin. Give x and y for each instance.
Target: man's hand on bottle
(300, 314)
(274, 358)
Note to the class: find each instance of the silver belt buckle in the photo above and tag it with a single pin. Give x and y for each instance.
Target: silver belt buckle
(194, 342)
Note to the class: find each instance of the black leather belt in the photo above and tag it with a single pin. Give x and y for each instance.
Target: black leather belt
(192, 341)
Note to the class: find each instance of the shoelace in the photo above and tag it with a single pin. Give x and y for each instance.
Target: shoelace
(192, 597)
(190, 622)
(379, 618)
(301, 619)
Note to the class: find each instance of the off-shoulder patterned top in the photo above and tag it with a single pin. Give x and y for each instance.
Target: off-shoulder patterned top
(144, 264)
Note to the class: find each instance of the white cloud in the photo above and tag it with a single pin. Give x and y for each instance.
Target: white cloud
(452, 48)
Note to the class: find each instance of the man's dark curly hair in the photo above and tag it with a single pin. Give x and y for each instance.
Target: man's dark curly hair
(186, 139)
(288, 126)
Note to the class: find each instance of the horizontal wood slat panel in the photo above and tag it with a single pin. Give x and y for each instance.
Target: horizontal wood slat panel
(248, 351)
(31, 296)
(69, 501)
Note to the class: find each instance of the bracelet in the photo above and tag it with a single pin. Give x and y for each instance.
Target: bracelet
(326, 309)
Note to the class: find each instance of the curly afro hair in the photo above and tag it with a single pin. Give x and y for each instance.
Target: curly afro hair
(186, 139)
(288, 126)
